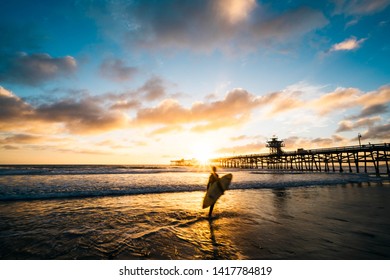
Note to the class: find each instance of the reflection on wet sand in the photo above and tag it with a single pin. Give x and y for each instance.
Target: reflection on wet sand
(337, 222)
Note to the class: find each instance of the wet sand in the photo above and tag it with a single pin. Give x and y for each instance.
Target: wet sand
(327, 222)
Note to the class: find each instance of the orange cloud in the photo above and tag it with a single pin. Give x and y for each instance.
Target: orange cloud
(233, 110)
(285, 102)
(166, 129)
(380, 96)
(348, 44)
(340, 98)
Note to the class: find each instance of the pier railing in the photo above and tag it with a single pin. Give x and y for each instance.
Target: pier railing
(369, 158)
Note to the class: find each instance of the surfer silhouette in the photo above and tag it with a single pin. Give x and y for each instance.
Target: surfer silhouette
(212, 179)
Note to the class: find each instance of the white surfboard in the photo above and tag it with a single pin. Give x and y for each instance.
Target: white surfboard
(214, 191)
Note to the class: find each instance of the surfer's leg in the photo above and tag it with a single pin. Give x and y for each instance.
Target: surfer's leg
(211, 210)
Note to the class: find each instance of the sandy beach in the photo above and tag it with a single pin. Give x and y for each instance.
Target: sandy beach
(349, 221)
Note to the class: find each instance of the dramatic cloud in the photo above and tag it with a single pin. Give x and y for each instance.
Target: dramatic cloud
(238, 105)
(347, 45)
(34, 69)
(116, 70)
(233, 110)
(204, 25)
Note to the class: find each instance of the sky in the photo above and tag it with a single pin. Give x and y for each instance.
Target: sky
(147, 82)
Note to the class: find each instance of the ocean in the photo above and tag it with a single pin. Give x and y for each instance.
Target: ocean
(154, 212)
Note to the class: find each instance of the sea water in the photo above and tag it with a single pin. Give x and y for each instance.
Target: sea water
(63, 181)
(154, 212)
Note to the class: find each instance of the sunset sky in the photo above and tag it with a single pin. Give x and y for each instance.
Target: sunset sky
(146, 82)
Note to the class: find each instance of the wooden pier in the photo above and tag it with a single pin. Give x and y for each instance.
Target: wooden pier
(371, 158)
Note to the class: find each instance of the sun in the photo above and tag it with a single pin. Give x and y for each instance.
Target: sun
(203, 153)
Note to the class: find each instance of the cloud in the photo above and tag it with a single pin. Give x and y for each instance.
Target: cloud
(341, 98)
(360, 7)
(34, 69)
(153, 89)
(347, 45)
(233, 110)
(237, 106)
(202, 25)
(166, 129)
(126, 105)
(291, 143)
(13, 109)
(344, 98)
(285, 101)
(295, 142)
(381, 132)
(116, 70)
(251, 148)
(346, 125)
(380, 96)
(22, 139)
(84, 116)
(236, 10)
(288, 25)
(372, 110)
(246, 137)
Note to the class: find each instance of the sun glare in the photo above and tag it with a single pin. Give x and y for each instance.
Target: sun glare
(203, 153)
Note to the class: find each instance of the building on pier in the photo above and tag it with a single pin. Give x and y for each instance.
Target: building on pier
(275, 146)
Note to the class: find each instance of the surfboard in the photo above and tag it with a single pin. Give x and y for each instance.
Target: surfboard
(214, 191)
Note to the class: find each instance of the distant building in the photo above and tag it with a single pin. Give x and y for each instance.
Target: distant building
(184, 162)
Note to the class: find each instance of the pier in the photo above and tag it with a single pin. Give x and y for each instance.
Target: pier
(369, 158)
(184, 162)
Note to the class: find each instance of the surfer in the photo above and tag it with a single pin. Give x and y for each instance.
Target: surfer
(213, 178)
